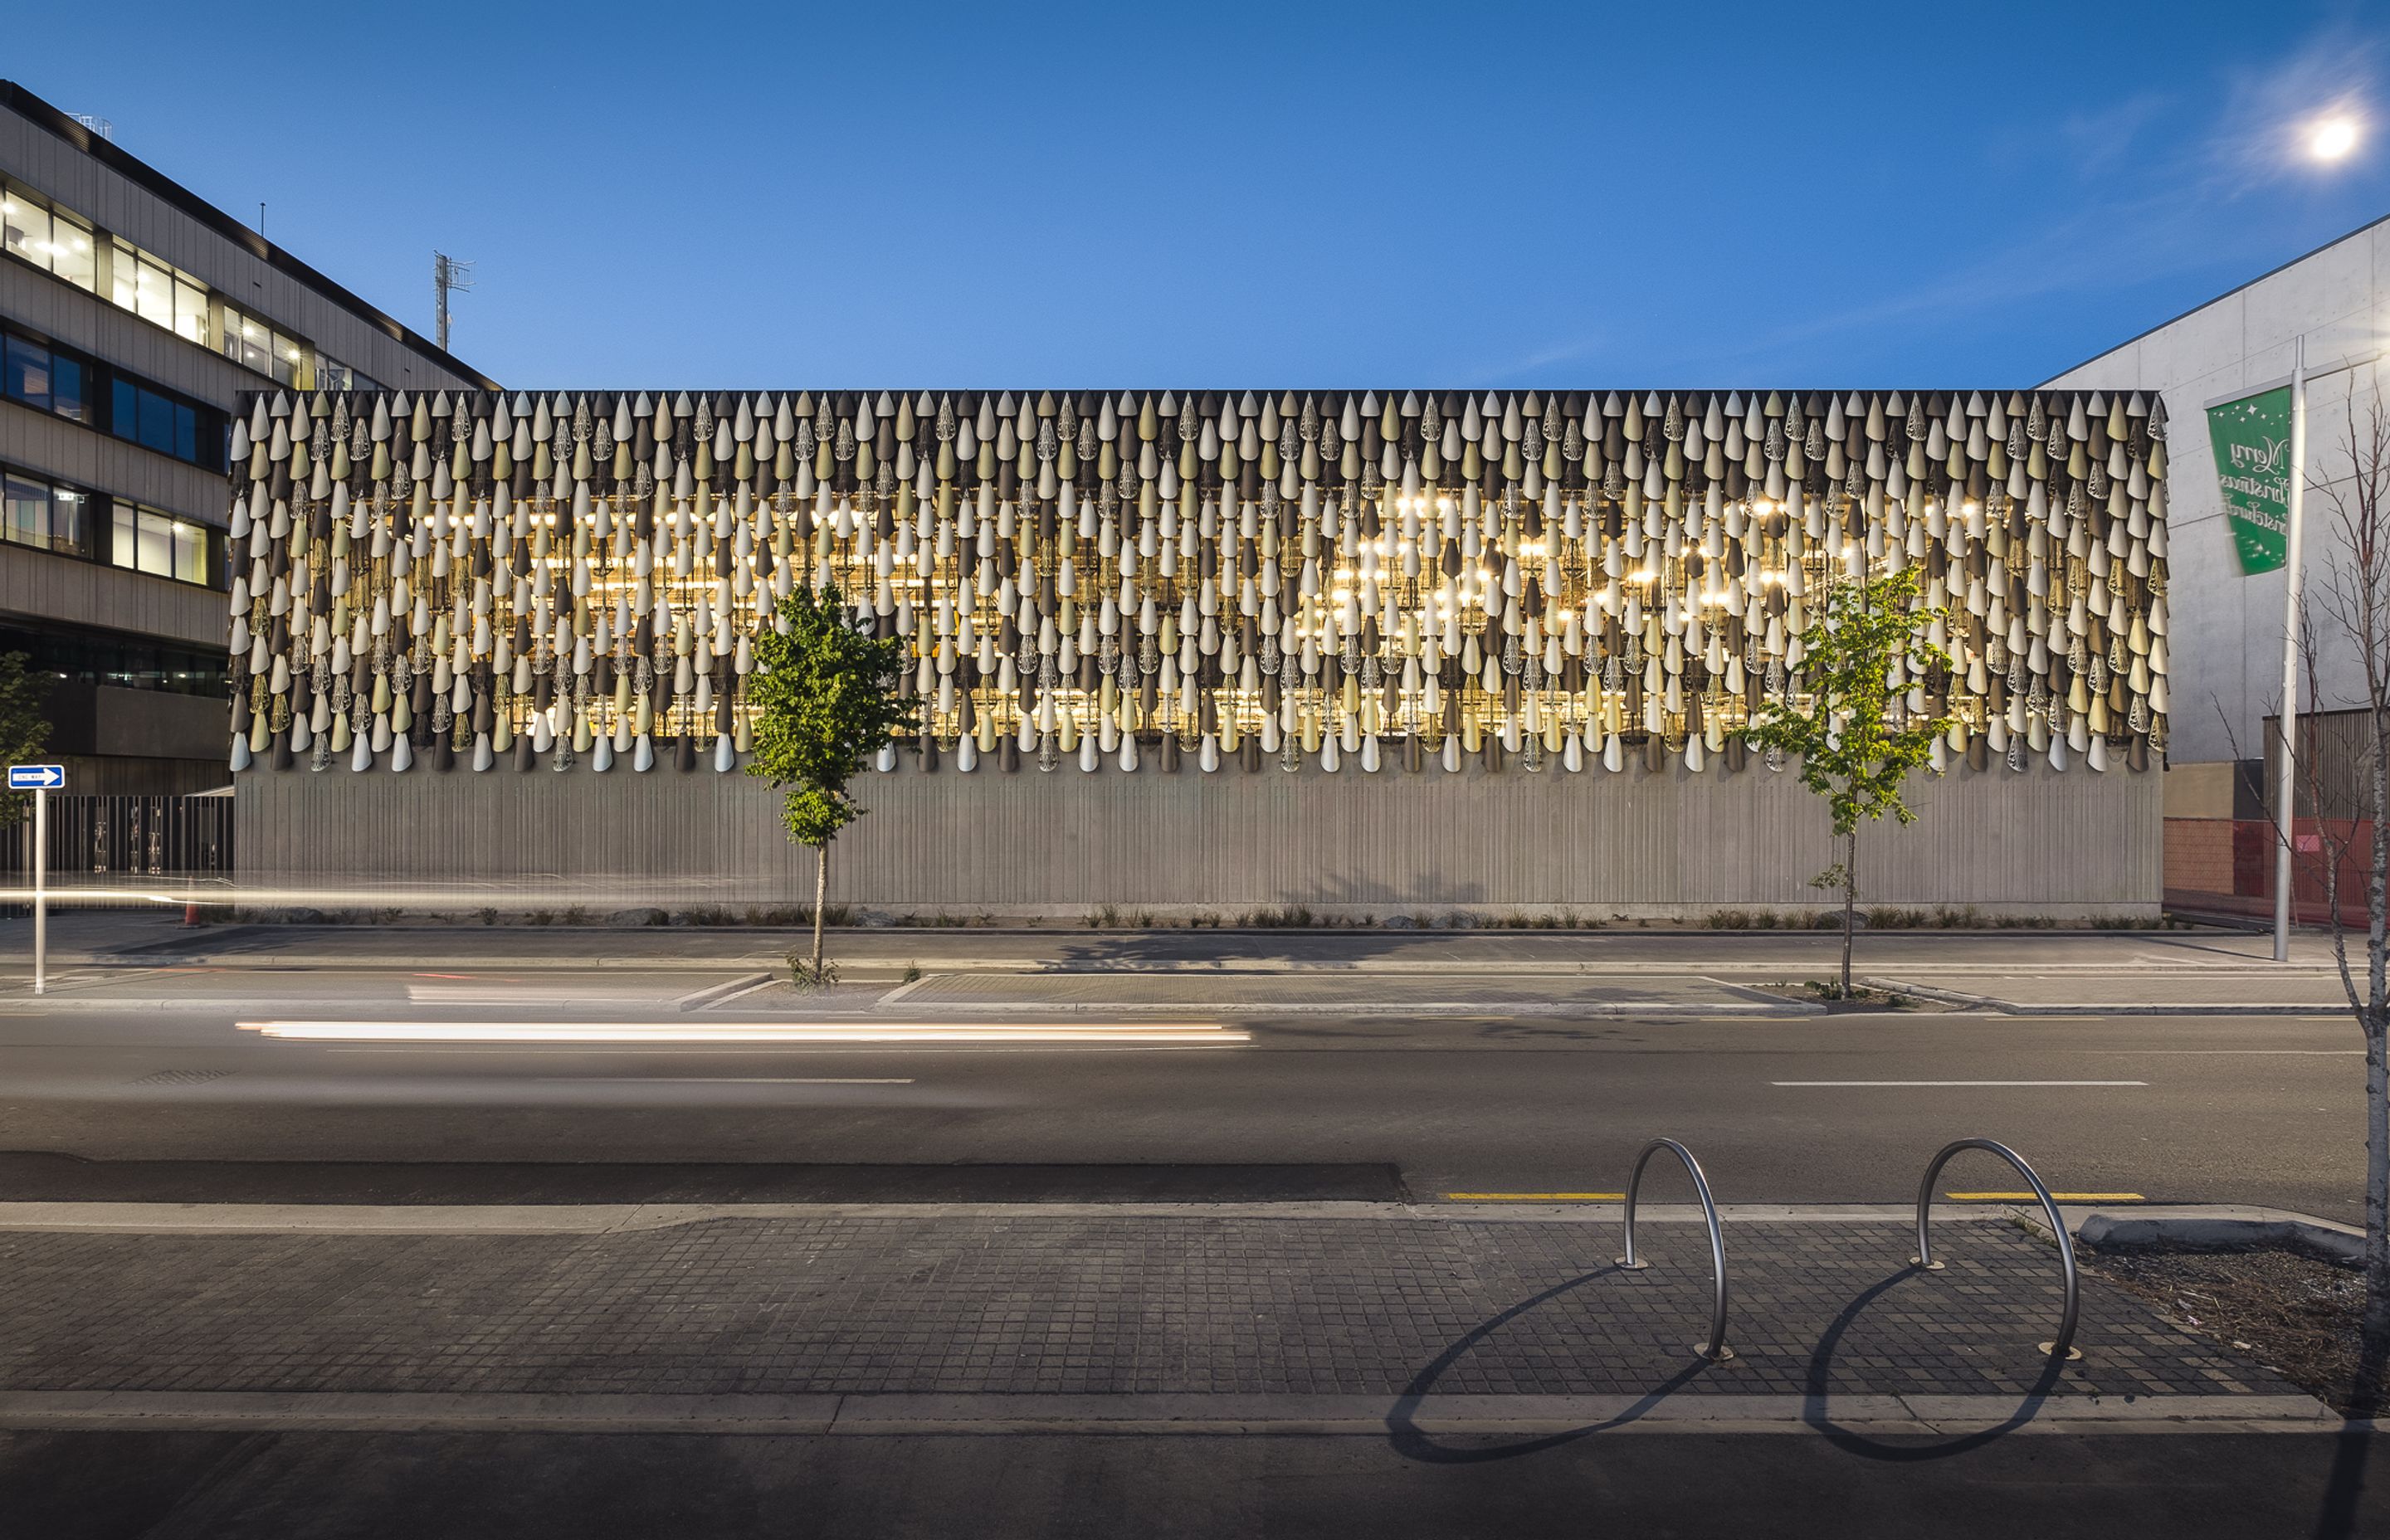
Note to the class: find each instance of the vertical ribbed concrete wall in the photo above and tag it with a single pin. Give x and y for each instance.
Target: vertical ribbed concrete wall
(1637, 843)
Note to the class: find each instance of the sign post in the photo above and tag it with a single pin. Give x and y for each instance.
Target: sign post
(2261, 450)
(2290, 626)
(2260, 438)
(41, 780)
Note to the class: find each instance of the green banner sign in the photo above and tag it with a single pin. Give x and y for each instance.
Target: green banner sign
(2253, 470)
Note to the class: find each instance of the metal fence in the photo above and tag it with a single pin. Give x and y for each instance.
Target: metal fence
(97, 840)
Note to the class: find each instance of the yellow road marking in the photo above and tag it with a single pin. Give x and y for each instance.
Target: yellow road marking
(2061, 1196)
(1535, 1196)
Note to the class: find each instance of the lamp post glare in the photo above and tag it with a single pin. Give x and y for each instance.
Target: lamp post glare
(2333, 138)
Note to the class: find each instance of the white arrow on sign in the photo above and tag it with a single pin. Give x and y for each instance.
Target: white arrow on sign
(36, 777)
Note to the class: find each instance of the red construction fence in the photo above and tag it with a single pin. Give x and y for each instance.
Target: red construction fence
(2226, 866)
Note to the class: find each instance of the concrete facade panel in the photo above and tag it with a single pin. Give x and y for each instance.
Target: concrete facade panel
(1635, 843)
(54, 446)
(112, 721)
(39, 586)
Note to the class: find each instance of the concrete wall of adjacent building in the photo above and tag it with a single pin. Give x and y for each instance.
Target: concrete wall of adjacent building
(108, 720)
(230, 263)
(237, 266)
(171, 742)
(41, 587)
(2225, 645)
(71, 452)
(1638, 843)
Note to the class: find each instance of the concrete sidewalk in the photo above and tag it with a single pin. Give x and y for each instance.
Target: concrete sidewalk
(2038, 990)
(1362, 1369)
(148, 937)
(968, 971)
(1402, 1481)
(1243, 1315)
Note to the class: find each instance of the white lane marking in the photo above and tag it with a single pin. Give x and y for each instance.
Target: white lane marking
(723, 1080)
(930, 1032)
(1958, 1082)
(714, 994)
(2304, 1053)
(762, 981)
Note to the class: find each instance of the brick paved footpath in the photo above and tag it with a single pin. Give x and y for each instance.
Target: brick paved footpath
(1085, 1302)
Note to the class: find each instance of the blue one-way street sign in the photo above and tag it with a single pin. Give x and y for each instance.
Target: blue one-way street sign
(36, 777)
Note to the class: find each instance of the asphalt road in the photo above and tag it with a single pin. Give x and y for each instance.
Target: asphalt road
(156, 1068)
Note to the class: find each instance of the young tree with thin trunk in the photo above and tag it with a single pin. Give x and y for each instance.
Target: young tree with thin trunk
(23, 728)
(826, 694)
(1845, 714)
(2355, 601)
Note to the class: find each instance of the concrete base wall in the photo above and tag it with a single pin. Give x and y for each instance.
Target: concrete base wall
(1633, 844)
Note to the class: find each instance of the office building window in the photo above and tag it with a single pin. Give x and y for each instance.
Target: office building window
(67, 398)
(160, 293)
(256, 344)
(46, 516)
(160, 545)
(333, 375)
(43, 377)
(28, 376)
(33, 230)
(68, 384)
(157, 421)
(128, 662)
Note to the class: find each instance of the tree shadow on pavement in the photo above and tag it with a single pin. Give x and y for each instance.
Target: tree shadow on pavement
(1412, 1442)
(2352, 1447)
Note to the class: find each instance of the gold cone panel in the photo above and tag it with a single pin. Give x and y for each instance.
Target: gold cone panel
(1209, 580)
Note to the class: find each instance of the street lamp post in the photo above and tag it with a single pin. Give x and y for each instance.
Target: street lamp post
(2286, 793)
(2329, 139)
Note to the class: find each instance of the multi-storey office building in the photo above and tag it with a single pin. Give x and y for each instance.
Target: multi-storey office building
(132, 314)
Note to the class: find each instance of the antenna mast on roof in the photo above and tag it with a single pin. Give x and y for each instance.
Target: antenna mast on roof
(447, 273)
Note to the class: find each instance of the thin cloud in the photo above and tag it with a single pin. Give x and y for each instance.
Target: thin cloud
(2171, 225)
(1567, 352)
(2258, 136)
(2101, 140)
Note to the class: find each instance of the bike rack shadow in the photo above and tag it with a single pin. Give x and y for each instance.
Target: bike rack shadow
(1414, 1443)
(1816, 1396)
(2057, 1353)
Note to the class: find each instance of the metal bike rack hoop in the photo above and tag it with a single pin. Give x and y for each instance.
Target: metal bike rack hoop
(2063, 1345)
(1715, 1349)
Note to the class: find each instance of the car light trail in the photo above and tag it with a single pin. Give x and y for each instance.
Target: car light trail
(904, 1032)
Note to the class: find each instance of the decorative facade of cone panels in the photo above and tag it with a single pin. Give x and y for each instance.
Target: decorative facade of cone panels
(1571, 580)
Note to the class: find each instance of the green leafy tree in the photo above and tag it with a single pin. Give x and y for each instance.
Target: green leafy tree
(1841, 715)
(825, 696)
(23, 729)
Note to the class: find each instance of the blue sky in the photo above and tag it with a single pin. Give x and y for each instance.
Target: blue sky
(1294, 195)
